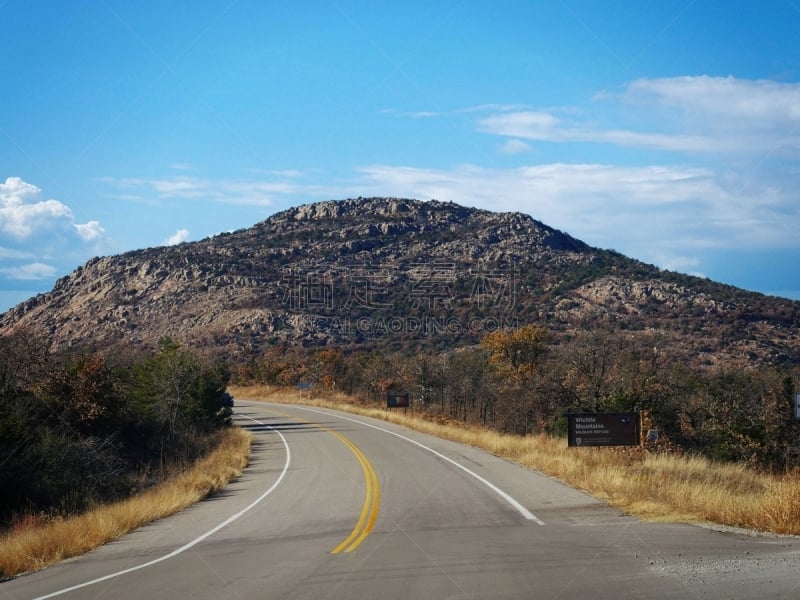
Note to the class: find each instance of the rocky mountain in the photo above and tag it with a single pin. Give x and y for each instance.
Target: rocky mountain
(375, 272)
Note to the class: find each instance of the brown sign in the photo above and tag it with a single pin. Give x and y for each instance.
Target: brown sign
(603, 429)
(397, 400)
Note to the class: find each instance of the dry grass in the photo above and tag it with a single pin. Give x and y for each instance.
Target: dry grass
(657, 487)
(31, 547)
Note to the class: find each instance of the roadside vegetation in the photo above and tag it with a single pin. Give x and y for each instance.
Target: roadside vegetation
(656, 486)
(120, 440)
(33, 544)
(525, 381)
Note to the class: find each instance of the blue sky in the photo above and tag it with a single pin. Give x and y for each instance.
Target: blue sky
(666, 130)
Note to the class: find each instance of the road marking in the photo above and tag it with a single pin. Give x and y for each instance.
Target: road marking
(369, 512)
(197, 540)
(528, 515)
(372, 491)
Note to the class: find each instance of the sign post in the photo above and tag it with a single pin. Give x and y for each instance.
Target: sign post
(603, 429)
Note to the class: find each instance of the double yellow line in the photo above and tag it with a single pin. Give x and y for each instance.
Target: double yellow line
(372, 494)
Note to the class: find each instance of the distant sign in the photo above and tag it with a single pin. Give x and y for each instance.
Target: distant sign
(397, 400)
(603, 429)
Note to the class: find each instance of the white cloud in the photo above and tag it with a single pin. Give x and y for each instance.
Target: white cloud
(14, 254)
(89, 231)
(40, 237)
(742, 115)
(514, 146)
(752, 101)
(429, 114)
(278, 173)
(180, 236)
(30, 272)
(549, 128)
(22, 214)
(182, 187)
(229, 191)
(702, 114)
(675, 262)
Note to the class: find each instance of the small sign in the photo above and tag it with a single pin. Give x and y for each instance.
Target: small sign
(603, 429)
(797, 407)
(397, 400)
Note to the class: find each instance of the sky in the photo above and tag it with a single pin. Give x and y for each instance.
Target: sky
(667, 130)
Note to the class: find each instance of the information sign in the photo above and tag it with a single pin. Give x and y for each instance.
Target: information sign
(603, 429)
(397, 400)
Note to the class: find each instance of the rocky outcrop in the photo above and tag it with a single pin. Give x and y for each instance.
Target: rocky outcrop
(370, 272)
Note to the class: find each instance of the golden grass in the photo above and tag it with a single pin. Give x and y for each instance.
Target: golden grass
(31, 548)
(653, 486)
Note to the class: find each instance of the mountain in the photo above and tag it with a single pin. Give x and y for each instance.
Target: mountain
(400, 273)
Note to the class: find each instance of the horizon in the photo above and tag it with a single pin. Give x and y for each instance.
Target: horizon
(668, 133)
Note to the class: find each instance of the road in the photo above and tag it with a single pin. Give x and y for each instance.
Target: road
(338, 506)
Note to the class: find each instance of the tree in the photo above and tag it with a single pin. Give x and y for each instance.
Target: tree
(88, 391)
(517, 352)
(517, 358)
(465, 378)
(591, 357)
(177, 392)
(327, 366)
(781, 430)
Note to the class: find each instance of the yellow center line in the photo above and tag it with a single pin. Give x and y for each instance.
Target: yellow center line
(369, 512)
(372, 492)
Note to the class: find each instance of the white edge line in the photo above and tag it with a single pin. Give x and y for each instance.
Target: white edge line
(197, 540)
(519, 508)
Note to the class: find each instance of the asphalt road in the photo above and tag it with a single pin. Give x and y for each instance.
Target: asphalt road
(336, 506)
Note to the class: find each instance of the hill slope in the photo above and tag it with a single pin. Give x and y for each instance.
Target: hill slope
(386, 271)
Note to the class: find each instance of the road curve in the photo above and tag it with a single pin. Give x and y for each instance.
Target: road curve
(337, 506)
